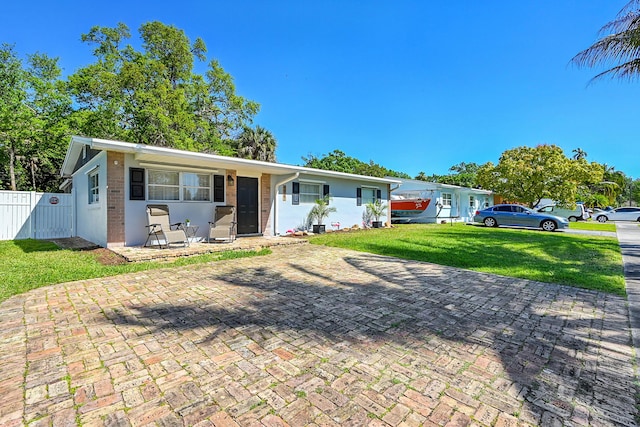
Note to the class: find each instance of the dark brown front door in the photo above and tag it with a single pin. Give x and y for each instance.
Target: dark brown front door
(247, 198)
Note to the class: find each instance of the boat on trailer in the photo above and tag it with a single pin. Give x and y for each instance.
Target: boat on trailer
(410, 206)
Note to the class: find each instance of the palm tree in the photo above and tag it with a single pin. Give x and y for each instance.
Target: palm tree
(579, 154)
(257, 144)
(619, 44)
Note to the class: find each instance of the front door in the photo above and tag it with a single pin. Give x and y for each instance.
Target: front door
(247, 198)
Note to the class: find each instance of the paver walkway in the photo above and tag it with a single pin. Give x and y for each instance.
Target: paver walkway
(629, 238)
(315, 336)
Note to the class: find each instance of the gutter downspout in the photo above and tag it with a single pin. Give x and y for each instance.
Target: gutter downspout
(275, 199)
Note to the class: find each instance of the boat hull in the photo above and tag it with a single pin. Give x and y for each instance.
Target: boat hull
(409, 207)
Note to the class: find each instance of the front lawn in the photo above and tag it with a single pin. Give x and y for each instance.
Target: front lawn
(29, 264)
(590, 262)
(592, 226)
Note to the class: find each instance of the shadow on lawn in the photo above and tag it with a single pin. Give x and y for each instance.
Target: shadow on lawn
(32, 245)
(433, 318)
(547, 257)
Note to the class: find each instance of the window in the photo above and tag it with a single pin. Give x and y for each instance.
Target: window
(94, 188)
(446, 199)
(164, 185)
(368, 195)
(472, 202)
(309, 192)
(196, 187)
(185, 186)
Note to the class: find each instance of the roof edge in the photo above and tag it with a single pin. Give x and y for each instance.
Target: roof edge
(128, 147)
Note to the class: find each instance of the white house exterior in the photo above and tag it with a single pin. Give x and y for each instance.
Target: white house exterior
(448, 202)
(113, 181)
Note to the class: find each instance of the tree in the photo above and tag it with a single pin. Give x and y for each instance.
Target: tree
(256, 144)
(152, 96)
(33, 120)
(338, 161)
(618, 47)
(528, 175)
(635, 191)
(463, 174)
(578, 154)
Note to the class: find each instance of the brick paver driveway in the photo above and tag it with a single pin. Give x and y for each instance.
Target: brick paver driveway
(314, 335)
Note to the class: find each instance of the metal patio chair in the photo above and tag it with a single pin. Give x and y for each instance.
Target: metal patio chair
(160, 229)
(223, 227)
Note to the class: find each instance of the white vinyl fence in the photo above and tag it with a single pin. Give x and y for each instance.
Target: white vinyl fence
(27, 214)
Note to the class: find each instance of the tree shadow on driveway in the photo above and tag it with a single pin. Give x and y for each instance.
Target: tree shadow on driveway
(543, 352)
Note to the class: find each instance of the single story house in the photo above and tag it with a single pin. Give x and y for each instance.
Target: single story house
(113, 181)
(450, 203)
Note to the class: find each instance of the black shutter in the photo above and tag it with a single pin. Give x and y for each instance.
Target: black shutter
(378, 194)
(295, 199)
(325, 192)
(358, 196)
(136, 184)
(218, 188)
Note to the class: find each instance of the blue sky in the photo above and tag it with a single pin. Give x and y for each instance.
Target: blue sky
(412, 85)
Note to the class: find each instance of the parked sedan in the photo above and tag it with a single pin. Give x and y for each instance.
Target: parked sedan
(619, 214)
(520, 216)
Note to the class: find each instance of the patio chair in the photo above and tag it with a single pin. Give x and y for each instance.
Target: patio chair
(223, 227)
(160, 228)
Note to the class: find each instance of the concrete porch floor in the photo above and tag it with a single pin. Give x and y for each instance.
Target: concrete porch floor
(140, 253)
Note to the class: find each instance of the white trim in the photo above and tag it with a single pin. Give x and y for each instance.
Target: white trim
(172, 166)
(152, 153)
(90, 171)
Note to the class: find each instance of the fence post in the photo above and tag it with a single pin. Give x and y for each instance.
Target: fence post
(32, 209)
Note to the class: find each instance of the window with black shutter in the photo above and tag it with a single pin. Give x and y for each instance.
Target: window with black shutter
(378, 194)
(358, 196)
(136, 184)
(325, 192)
(295, 194)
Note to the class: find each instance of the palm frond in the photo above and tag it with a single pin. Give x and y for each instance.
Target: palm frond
(627, 71)
(630, 7)
(614, 48)
(618, 47)
(623, 23)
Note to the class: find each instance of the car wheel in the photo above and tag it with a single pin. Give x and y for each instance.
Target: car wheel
(490, 222)
(548, 225)
(602, 218)
(572, 219)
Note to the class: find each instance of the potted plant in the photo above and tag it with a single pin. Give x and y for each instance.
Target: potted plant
(319, 212)
(376, 210)
(187, 222)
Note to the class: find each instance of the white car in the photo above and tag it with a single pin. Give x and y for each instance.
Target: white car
(619, 214)
(578, 213)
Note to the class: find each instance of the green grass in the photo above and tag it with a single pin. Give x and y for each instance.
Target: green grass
(593, 226)
(29, 264)
(590, 262)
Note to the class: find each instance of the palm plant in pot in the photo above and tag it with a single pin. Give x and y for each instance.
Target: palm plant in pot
(319, 212)
(376, 210)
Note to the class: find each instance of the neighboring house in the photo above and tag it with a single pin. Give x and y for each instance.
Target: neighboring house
(448, 202)
(113, 182)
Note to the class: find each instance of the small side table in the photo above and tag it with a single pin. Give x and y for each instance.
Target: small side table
(191, 231)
